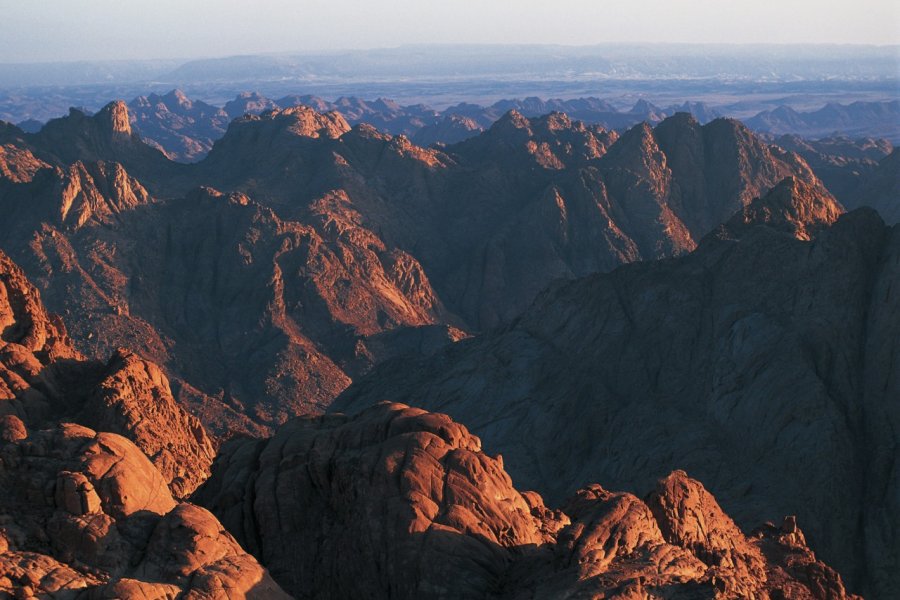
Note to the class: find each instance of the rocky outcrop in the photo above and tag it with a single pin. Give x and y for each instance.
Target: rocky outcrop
(133, 399)
(44, 380)
(85, 514)
(91, 514)
(760, 363)
(97, 192)
(552, 141)
(399, 503)
(104, 136)
(18, 164)
(279, 130)
(68, 199)
(792, 206)
(24, 322)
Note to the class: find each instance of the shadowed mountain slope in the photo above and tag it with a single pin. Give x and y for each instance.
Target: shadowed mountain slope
(761, 363)
(880, 189)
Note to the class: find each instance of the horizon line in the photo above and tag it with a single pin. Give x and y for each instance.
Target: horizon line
(342, 51)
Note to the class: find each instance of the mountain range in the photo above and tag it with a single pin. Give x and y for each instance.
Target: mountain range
(859, 119)
(243, 393)
(86, 514)
(186, 129)
(336, 246)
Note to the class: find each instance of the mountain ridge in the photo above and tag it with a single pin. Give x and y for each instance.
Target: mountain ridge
(671, 363)
(332, 237)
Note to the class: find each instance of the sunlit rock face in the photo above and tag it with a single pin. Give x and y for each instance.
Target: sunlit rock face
(44, 381)
(86, 514)
(396, 502)
(93, 512)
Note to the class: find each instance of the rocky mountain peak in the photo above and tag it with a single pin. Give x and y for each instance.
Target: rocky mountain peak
(638, 151)
(248, 103)
(793, 206)
(114, 118)
(178, 98)
(97, 191)
(553, 141)
(726, 126)
(282, 124)
(689, 517)
(644, 106)
(680, 121)
(104, 136)
(308, 122)
(511, 120)
(557, 121)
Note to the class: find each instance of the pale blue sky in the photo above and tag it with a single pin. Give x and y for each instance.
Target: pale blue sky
(49, 30)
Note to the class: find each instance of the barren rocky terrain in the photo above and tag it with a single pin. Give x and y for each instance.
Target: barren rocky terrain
(254, 375)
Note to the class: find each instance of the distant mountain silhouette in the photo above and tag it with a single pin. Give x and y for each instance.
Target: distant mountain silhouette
(840, 162)
(859, 119)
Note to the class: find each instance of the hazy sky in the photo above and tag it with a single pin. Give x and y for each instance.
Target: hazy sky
(45, 30)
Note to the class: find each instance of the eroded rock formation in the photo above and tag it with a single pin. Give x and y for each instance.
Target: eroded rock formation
(44, 381)
(85, 514)
(399, 503)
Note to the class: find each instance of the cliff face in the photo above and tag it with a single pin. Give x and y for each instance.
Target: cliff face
(761, 363)
(399, 503)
